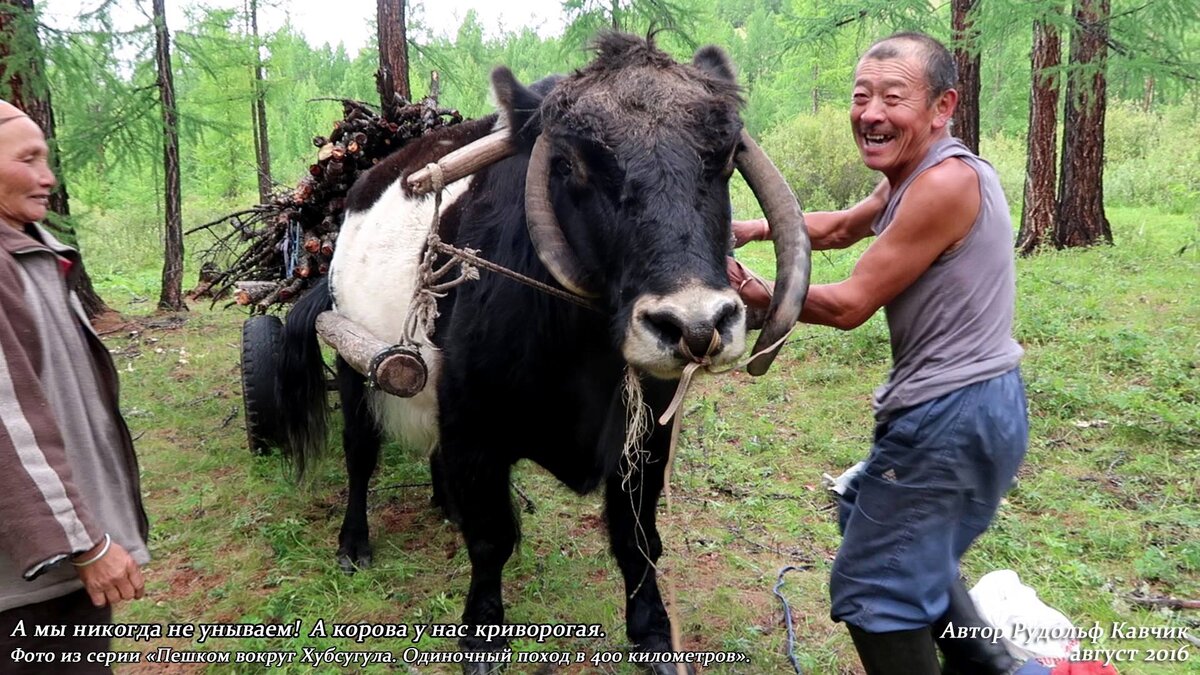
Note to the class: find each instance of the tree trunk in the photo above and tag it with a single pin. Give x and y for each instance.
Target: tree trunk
(1148, 94)
(966, 56)
(28, 90)
(171, 298)
(816, 90)
(391, 80)
(262, 144)
(1037, 214)
(1081, 220)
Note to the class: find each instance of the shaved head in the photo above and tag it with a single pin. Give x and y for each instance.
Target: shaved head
(10, 112)
(941, 73)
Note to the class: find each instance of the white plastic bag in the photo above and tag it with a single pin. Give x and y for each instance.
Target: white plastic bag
(840, 484)
(1031, 628)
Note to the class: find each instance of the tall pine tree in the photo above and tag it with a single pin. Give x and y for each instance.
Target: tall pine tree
(1037, 212)
(1080, 219)
(171, 296)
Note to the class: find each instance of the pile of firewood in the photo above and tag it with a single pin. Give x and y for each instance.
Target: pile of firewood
(274, 251)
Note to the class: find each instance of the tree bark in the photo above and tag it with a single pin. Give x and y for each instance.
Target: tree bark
(29, 91)
(262, 143)
(1081, 220)
(391, 80)
(966, 56)
(171, 297)
(816, 90)
(1037, 213)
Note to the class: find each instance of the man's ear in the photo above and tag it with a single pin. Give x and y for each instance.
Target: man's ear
(945, 106)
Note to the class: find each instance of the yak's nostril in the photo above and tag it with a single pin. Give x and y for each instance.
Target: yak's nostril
(728, 315)
(693, 339)
(694, 336)
(666, 326)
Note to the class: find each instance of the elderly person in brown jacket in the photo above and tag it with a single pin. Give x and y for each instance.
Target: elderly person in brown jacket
(74, 530)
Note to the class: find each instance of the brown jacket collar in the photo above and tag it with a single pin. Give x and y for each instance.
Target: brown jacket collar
(15, 241)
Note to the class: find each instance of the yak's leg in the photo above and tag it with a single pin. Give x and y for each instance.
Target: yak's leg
(635, 543)
(360, 442)
(478, 489)
(440, 499)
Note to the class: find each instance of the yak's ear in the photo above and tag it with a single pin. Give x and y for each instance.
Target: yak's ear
(516, 103)
(714, 61)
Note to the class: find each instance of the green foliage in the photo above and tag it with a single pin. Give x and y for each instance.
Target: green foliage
(817, 156)
(1007, 155)
(1146, 164)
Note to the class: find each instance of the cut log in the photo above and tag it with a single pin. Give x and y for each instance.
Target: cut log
(464, 161)
(396, 370)
(289, 292)
(278, 295)
(251, 292)
(307, 267)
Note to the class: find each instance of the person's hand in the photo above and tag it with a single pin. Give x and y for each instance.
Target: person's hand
(754, 291)
(112, 578)
(745, 231)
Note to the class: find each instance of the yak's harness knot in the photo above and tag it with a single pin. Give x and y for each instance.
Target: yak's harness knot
(422, 311)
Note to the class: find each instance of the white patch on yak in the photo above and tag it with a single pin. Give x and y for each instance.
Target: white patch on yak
(372, 278)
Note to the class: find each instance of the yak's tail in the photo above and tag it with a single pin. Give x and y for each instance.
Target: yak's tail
(301, 393)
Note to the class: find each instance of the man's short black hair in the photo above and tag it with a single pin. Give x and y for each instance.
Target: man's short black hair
(941, 73)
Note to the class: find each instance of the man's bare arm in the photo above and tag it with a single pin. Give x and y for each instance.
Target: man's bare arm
(826, 229)
(911, 243)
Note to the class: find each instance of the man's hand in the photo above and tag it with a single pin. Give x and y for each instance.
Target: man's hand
(754, 291)
(112, 578)
(745, 231)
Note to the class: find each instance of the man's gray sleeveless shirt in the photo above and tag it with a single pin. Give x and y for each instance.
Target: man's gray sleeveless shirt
(953, 326)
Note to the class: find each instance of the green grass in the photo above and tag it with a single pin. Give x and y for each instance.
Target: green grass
(1107, 503)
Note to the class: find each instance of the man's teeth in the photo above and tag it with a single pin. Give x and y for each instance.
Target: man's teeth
(876, 138)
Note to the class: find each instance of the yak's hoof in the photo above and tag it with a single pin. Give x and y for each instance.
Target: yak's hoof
(352, 560)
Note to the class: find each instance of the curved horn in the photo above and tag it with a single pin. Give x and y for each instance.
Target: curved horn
(548, 240)
(793, 252)
(464, 161)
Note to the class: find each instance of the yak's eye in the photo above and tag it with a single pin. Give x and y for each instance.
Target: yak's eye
(561, 166)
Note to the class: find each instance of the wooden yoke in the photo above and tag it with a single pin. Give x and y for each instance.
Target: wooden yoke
(397, 370)
(463, 162)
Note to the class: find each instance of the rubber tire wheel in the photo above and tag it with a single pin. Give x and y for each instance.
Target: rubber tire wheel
(262, 336)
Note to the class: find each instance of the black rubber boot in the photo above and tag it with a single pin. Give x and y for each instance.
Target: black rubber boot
(903, 652)
(977, 654)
